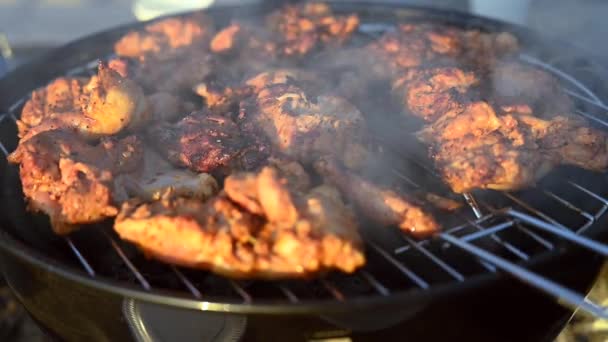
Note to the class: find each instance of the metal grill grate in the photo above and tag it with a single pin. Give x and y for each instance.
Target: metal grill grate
(502, 231)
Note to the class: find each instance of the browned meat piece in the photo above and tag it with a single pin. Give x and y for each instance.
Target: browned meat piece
(165, 38)
(484, 49)
(304, 28)
(243, 188)
(223, 93)
(304, 128)
(441, 202)
(264, 193)
(433, 93)
(488, 132)
(569, 139)
(71, 181)
(245, 42)
(61, 96)
(412, 45)
(427, 44)
(204, 142)
(479, 148)
(476, 119)
(107, 104)
(576, 143)
(383, 206)
(489, 162)
(222, 96)
(121, 66)
(318, 236)
(292, 31)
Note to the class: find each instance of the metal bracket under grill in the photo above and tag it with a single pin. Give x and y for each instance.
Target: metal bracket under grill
(479, 236)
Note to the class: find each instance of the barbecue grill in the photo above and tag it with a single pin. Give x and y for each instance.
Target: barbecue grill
(93, 285)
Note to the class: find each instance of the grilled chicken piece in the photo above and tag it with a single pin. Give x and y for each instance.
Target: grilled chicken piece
(570, 140)
(246, 43)
(61, 96)
(209, 143)
(432, 93)
(476, 119)
(480, 149)
(319, 235)
(489, 162)
(165, 38)
(70, 180)
(304, 28)
(305, 128)
(292, 31)
(244, 187)
(108, 103)
(496, 131)
(441, 202)
(428, 44)
(382, 206)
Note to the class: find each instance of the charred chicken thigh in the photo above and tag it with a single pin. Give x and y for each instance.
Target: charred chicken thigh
(302, 236)
(383, 206)
(107, 104)
(305, 127)
(71, 180)
(205, 142)
(166, 38)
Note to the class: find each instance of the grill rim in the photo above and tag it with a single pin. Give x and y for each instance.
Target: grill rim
(92, 43)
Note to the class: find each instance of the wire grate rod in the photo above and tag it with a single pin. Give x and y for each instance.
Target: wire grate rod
(589, 192)
(586, 99)
(195, 292)
(447, 268)
(337, 294)
(241, 291)
(516, 251)
(405, 248)
(488, 231)
(468, 197)
(544, 242)
(566, 203)
(142, 280)
(3, 149)
(375, 283)
(83, 261)
(591, 117)
(288, 293)
(406, 271)
(563, 233)
(13, 108)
